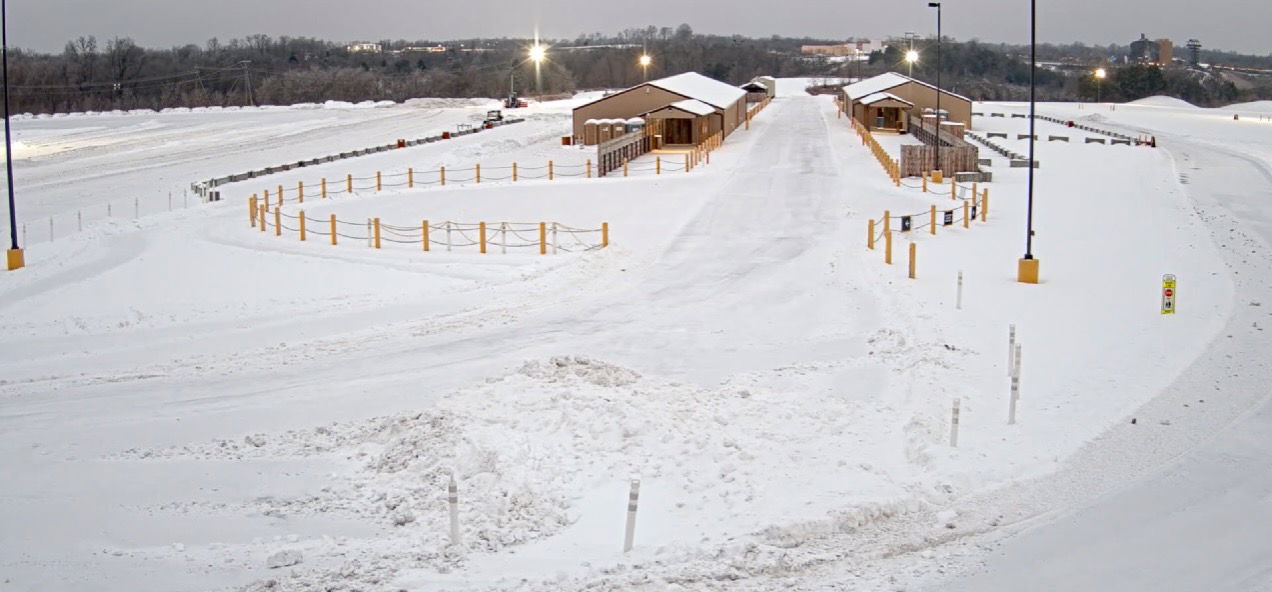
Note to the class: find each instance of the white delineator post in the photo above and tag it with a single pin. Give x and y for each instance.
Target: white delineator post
(452, 500)
(136, 207)
(954, 423)
(632, 498)
(1011, 350)
(958, 303)
(1015, 387)
(448, 236)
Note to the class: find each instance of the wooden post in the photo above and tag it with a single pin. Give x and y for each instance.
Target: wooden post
(551, 172)
(376, 222)
(300, 191)
(589, 168)
(913, 248)
(251, 209)
(477, 168)
(348, 183)
(687, 167)
(543, 238)
(887, 220)
(280, 194)
(333, 229)
(953, 190)
(266, 194)
(278, 222)
(657, 165)
(887, 247)
(324, 188)
(302, 225)
(924, 175)
(624, 167)
(965, 209)
(482, 228)
(870, 235)
(378, 184)
(443, 173)
(263, 208)
(604, 234)
(933, 215)
(410, 178)
(985, 205)
(424, 229)
(514, 172)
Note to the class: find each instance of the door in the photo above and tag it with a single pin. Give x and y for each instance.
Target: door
(678, 131)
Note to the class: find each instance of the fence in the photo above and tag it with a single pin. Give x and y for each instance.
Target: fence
(450, 235)
(204, 188)
(889, 165)
(974, 204)
(616, 153)
(957, 156)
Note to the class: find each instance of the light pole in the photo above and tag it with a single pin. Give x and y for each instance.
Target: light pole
(538, 52)
(1027, 269)
(13, 257)
(1100, 73)
(910, 58)
(937, 6)
(645, 60)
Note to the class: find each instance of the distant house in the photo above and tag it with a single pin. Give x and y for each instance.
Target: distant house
(887, 101)
(364, 48)
(424, 49)
(685, 109)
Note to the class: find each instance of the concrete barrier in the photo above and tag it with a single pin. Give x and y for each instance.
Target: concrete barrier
(996, 135)
(1057, 138)
(1123, 142)
(984, 162)
(997, 115)
(1019, 116)
(1025, 137)
(1023, 163)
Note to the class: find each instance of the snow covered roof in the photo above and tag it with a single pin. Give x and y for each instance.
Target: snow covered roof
(753, 86)
(884, 82)
(693, 106)
(883, 96)
(696, 86)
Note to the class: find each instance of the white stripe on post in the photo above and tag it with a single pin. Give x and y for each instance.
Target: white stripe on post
(1011, 350)
(452, 499)
(632, 498)
(954, 423)
(958, 303)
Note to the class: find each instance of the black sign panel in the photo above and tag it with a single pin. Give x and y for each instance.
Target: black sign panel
(949, 217)
(973, 212)
(905, 224)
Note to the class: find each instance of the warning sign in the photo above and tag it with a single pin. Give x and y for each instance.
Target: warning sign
(1168, 294)
(906, 223)
(949, 217)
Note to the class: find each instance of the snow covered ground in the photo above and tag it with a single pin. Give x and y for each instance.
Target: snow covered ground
(190, 404)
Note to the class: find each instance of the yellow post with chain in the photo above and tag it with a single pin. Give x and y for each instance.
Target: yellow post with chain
(887, 220)
(251, 209)
(887, 247)
(551, 171)
(278, 221)
(482, 236)
(324, 188)
(410, 178)
(913, 248)
(543, 238)
(657, 165)
(264, 208)
(280, 194)
(348, 183)
(376, 223)
(924, 175)
(333, 229)
(378, 183)
(424, 231)
(985, 205)
(604, 234)
(514, 172)
(300, 191)
(933, 219)
(870, 235)
(302, 226)
(965, 208)
(443, 173)
(589, 168)
(477, 168)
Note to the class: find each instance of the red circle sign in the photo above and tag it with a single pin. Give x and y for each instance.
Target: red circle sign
(1169, 292)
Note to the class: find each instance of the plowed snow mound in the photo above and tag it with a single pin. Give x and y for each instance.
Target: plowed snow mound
(1160, 101)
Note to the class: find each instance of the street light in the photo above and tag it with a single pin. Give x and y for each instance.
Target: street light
(937, 6)
(13, 257)
(645, 60)
(1027, 268)
(538, 53)
(911, 57)
(1100, 74)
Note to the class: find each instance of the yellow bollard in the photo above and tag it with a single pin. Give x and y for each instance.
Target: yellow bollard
(551, 171)
(924, 182)
(686, 162)
(266, 193)
(348, 183)
(251, 210)
(657, 165)
(965, 208)
(887, 220)
(887, 247)
(975, 193)
(278, 222)
(280, 195)
(300, 191)
(953, 190)
(543, 238)
(302, 226)
(482, 234)
(324, 188)
(263, 208)
(378, 184)
(443, 171)
(589, 168)
(376, 223)
(870, 235)
(477, 168)
(333, 229)
(913, 248)
(624, 167)
(933, 216)
(514, 171)
(424, 230)
(410, 178)
(604, 234)
(985, 205)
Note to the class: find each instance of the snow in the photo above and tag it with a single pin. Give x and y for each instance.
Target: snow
(883, 96)
(694, 106)
(883, 82)
(696, 86)
(1160, 101)
(188, 402)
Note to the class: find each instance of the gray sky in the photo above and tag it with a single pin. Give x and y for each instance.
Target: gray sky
(1239, 25)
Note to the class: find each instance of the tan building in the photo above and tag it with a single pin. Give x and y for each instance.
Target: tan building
(684, 109)
(829, 50)
(887, 101)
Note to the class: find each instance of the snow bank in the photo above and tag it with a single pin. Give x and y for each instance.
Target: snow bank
(1161, 101)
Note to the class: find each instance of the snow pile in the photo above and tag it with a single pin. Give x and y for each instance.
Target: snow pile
(1161, 101)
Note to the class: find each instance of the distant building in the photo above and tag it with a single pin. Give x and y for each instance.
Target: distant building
(425, 49)
(1160, 52)
(846, 49)
(364, 48)
(684, 110)
(888, 101)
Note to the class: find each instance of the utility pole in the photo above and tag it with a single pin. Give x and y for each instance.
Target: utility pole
(937, 6)
(247, 79)
(14, 259)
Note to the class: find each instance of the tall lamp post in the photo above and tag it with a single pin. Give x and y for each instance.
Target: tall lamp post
(13, 256)
(937, 6)
(910, 58)
(1100, 74)
(1027, 269)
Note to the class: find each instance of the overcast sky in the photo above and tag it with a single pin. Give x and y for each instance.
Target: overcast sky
(46, 25)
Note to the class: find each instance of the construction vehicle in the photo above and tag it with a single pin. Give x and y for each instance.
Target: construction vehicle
(493, 116)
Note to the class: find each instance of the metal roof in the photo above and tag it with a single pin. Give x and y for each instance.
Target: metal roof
(886, 81)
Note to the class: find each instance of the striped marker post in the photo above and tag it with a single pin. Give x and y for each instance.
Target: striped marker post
(452, 500)
(954, 423)
(632, 499)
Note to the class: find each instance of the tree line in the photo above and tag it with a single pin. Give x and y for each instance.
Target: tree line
(120, 75)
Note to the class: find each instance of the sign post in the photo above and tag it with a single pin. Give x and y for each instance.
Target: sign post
(1168, 294)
